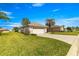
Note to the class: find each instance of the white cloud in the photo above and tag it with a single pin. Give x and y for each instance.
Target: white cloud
(73, 19)
(12, 24)
(8, 13)
(37, 4)
(68, 21)
(15, 25)
(55, 10)
(11, 17)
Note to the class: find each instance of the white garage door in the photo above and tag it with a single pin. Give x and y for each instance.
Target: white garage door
(37, 31)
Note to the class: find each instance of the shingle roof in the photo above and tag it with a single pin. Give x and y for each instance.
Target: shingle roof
(35, 24)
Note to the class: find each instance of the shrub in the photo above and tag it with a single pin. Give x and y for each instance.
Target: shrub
(34, 34)
(15, 29)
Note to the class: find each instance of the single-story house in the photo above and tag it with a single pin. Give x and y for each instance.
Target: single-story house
(35, 28)
(2, 30)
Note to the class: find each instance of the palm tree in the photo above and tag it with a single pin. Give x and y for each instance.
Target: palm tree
(3, 16)
(50, 23)
(25, 22)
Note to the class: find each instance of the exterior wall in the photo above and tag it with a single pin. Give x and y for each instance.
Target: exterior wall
(56, 29)
(37, 31)
(24, 30)
(6, 31)
(62, 28)
(41, 30)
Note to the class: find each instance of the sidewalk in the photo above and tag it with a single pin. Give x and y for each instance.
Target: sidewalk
(74, 50)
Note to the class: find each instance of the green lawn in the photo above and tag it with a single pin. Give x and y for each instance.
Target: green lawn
(66, 33)
(16, 44)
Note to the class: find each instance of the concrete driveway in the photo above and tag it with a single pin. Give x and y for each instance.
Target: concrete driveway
(66, 38)
(73, 40)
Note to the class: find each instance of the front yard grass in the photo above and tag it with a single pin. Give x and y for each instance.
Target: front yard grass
(65, 33)
(17, 44)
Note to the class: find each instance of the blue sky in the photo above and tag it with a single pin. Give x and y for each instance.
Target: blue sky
(64, 13)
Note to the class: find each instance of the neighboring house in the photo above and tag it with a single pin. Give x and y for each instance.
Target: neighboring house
(72, 29)
(35, 28)
(75, 28)
(56, 28)
(2, 30)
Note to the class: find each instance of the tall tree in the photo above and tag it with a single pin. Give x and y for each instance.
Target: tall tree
(50, 23)
(25, 22)
(3, 16)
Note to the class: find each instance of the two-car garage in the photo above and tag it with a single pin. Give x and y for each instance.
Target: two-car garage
(37, 31)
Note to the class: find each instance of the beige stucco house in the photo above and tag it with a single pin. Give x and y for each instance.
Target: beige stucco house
(35, 28)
